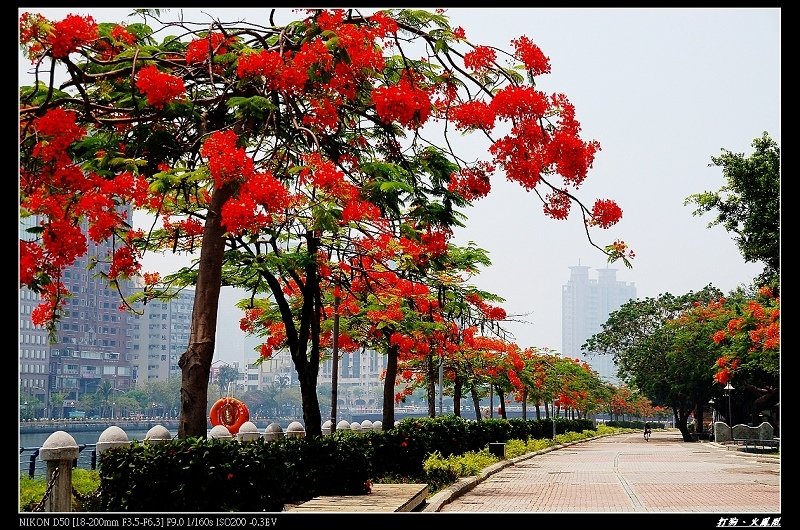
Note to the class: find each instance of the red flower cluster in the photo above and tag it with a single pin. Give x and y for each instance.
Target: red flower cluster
(472, 182)
(260, 197)
(404, 102)
(356, 210)
(479, 58)
(199, 50)
(63, 242)
(123, 264)
(30, 255)
(33, 29)
(473, 115)
(605, 213)
(557, 205)
(70, 34)
(265, 63)
(159, 87)
(531, 56)
(58, 131)
(54, 299)
(226, 161)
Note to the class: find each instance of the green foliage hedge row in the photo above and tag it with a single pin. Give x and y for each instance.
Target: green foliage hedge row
(218, 475)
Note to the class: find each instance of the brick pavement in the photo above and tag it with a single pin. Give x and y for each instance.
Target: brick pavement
(625, 473)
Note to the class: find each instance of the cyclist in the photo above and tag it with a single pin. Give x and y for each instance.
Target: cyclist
(647, 431)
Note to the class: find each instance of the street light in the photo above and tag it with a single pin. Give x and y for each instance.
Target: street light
(728, 391)
(713, 419)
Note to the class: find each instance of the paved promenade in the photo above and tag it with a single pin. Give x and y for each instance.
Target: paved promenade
(625, 473)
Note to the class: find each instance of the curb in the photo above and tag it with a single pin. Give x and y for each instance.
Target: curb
(465, 484)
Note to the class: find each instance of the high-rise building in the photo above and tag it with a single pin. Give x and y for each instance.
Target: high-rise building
(585, 306)
(159, 336)
(90, 342)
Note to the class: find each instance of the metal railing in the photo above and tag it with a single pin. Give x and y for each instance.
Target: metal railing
(34, 467)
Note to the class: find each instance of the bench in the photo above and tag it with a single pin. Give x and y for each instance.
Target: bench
(382, 498)
(755, 443)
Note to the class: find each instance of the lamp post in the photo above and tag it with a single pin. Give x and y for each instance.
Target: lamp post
(713, 419)
(728, 391)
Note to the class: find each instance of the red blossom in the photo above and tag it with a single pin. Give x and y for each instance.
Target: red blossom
(226, 161)
(54, 297)
(199, 50)
(605, 213)
(159, 87)
(479, 58)
(473, 115)
(403, 102)
(531, 56)
(70, 34)
(123, 264)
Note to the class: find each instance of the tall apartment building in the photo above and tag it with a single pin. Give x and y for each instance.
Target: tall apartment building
(159, 336)
(585, 306)
(91, 343)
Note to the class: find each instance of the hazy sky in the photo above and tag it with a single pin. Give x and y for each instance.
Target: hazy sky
(662, 90)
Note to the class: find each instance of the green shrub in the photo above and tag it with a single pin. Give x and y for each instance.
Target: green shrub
(443, 471)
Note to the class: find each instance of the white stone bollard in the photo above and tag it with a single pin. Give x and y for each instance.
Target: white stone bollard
(377, 425)
(59, 450)
(112, 437)
(366, 425)
(343, 425)
(220, 432)
(273, 431)
(248, 432)
(355, 426)
(158, 434)
(295, 430)
(326, 427)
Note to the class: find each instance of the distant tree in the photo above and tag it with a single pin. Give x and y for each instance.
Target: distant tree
(652, 353)
(227, 374)
(57, 402)
(747, 338)
(105, 392)
(748, 205)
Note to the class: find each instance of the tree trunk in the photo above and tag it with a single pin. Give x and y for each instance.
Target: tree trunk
(308, 392)
(457, 396)
(195, 363)
(538, 412)
(525, 403)
(388, 386)
(430, 385)
(502, 399)
(476, 401)
(681, 420)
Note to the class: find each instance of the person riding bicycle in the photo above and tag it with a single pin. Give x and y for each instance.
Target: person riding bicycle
(647, 430)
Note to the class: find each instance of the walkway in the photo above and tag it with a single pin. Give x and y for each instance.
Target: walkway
(625, 473)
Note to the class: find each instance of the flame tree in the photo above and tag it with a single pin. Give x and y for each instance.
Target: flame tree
(271, 151)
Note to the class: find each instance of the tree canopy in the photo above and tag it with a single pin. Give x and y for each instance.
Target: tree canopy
(748, 204)
(308, 162)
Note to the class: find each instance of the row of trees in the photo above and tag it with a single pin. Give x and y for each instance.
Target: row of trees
(682, 350)
(311, 164)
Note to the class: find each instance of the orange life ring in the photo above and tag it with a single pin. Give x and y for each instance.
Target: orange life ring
(230, 412)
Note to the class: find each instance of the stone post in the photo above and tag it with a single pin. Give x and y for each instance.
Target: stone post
(59, 450)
